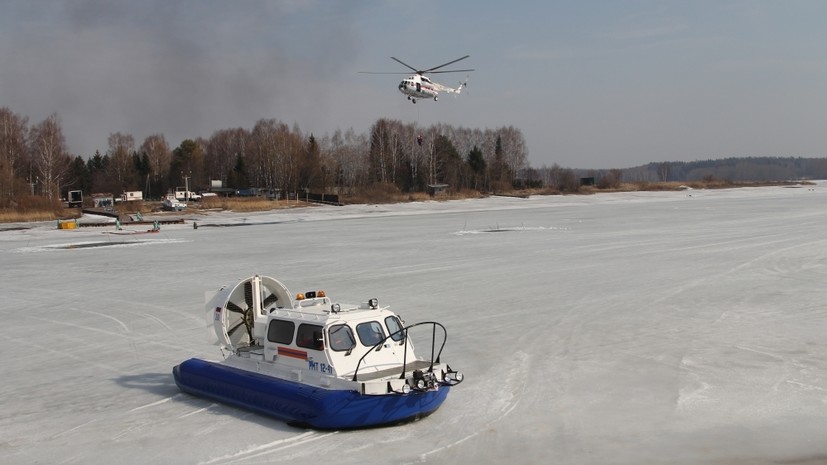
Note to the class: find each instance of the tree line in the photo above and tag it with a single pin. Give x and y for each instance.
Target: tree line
(735, 169)
(35, 160)
(731, 169)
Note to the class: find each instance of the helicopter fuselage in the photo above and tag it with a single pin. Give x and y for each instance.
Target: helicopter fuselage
(418, 87)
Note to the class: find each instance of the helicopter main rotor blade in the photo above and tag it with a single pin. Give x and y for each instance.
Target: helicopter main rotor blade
(440, 66)
(383, 72)
(451, 71)
(421, 72)
(406, 65)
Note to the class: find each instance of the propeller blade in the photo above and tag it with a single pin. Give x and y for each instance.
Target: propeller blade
(451, 71)
(406, 65)
(234, 308)
(382, 72)
(234, 328)
(419, 71)
(245, 322)
(442, 65)
(248, 293)
(271, 299)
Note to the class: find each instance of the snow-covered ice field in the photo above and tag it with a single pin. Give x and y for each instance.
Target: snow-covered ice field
(637, 328)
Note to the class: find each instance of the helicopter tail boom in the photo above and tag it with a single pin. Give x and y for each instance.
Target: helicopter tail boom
(456, 90)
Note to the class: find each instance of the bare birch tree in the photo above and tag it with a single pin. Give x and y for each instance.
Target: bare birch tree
(12, 152)
(120, 167)
(350, 152)
(160, 156)
(223, 148)
(50, 157)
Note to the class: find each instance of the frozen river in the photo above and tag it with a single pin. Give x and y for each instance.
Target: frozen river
(635, 328)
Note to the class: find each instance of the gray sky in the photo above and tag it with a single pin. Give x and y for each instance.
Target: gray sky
(599, 84)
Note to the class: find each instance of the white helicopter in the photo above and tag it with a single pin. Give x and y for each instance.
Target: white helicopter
(420, 86)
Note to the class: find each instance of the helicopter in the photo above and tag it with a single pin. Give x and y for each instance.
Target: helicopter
(420, 86)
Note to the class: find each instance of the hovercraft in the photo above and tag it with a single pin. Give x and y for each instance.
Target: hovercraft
(314, 363)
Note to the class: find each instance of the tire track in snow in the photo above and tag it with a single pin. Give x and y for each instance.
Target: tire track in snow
(269, 448)
(195, 412)
(152, 404)
(510, 392)
(148, 339)
(72, 429)
(103, 315)
(41, 349)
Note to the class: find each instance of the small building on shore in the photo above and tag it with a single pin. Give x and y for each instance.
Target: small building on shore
(436, 190)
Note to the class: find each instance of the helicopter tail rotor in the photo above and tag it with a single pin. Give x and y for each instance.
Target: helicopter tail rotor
(462, 85)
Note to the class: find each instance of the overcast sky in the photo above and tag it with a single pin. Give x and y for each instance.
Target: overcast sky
(591, 84)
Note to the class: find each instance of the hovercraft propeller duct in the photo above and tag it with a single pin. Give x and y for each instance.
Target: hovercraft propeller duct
(238, 314)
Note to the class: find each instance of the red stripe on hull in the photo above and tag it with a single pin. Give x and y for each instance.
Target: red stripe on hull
(288, 352)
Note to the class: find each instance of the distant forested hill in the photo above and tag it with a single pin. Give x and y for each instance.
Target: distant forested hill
(731, 169)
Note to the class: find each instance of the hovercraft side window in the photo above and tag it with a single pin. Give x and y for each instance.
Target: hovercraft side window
(370, 333)
(341, 338)
(280, 331)
(310, 337)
